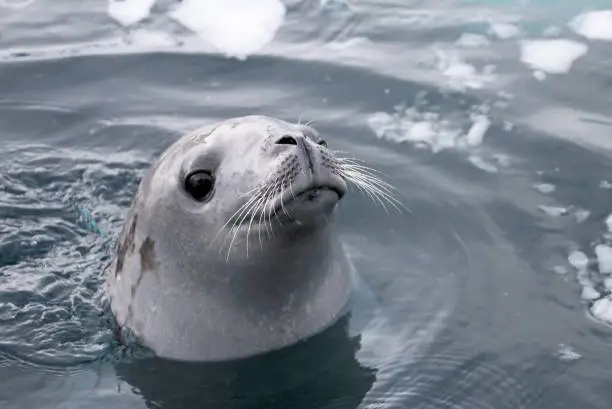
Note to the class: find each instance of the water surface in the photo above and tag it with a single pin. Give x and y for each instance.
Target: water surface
(490, 292)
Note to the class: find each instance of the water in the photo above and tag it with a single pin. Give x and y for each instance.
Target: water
(492, 292)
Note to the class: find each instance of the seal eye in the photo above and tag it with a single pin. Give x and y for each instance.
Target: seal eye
(199, 184)
(323, 143)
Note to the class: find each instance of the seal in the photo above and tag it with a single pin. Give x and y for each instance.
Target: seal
(230, 247)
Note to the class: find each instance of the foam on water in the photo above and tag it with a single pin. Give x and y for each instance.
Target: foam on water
(236, 28)
(594, 25)
(551, 56)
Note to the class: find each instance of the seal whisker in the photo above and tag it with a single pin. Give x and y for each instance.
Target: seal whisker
(252, 212)
(366, 179)
(371, 184)
(250, 209)
(377, 190)
(238, 217)
(282, 191)
(231, 218)
(257, 208)
(271, 210)
(266, 202)
(312, 121)
(364, 171)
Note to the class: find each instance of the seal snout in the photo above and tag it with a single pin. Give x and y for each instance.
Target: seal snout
(309, 184)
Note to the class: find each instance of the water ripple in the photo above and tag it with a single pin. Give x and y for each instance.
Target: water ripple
(51, 300)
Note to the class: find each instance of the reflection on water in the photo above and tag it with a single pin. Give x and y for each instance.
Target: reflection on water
(321, 372)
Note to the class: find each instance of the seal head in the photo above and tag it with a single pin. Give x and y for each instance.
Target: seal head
(230, 246)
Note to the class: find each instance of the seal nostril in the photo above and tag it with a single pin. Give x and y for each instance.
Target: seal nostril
(287, 140)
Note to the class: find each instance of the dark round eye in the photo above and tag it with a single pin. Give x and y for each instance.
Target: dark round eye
(323, 143)
(199, 184)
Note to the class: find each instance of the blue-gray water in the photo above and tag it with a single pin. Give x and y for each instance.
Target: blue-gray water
(476, 304)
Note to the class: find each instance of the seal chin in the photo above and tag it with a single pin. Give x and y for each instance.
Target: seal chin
(309, 205)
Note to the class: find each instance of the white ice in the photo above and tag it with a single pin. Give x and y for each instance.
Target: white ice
(567, 353)
(545, 188)
(554, 211)
(578, 259)
(609, 223)
(128, 12)
(604, 184)
(236, 28)
(504, 31)
(589, 293)
(551, 56)
(594, 25)
(604, 258)
(479, 128)
(428, 129)
(602, 309)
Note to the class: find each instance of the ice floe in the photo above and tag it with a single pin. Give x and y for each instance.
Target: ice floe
(554, 56)
(504, 31)
(129, 12)
(594, 25)
(236, 28)
(545, 188)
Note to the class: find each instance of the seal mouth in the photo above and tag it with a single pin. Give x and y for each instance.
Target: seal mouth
(299, 203)
(311, 197)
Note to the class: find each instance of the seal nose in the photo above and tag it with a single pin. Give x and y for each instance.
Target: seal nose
(287, 140)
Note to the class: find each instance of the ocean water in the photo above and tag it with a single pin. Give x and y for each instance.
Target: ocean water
(492, 119)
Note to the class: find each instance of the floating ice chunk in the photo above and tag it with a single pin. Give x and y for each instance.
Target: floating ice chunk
(578, 259)
(608, 283)
(236, 28)
(471, 40)
(609, 223)
(128, 12)
(581, 215)
(554, 211)
(461, 75)
(482, 164)
(504, 30)
(567, 353)
(589, 293)
(602, 309)
(604, 258)
(380, 122)
(477, 131)
(421, 129)
(545, 188)
(539, 75)
(552, 56)
(594, 25)
(604, 184)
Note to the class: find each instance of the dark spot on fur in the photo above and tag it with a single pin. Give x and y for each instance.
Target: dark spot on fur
(147, 255)
(126, 244)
